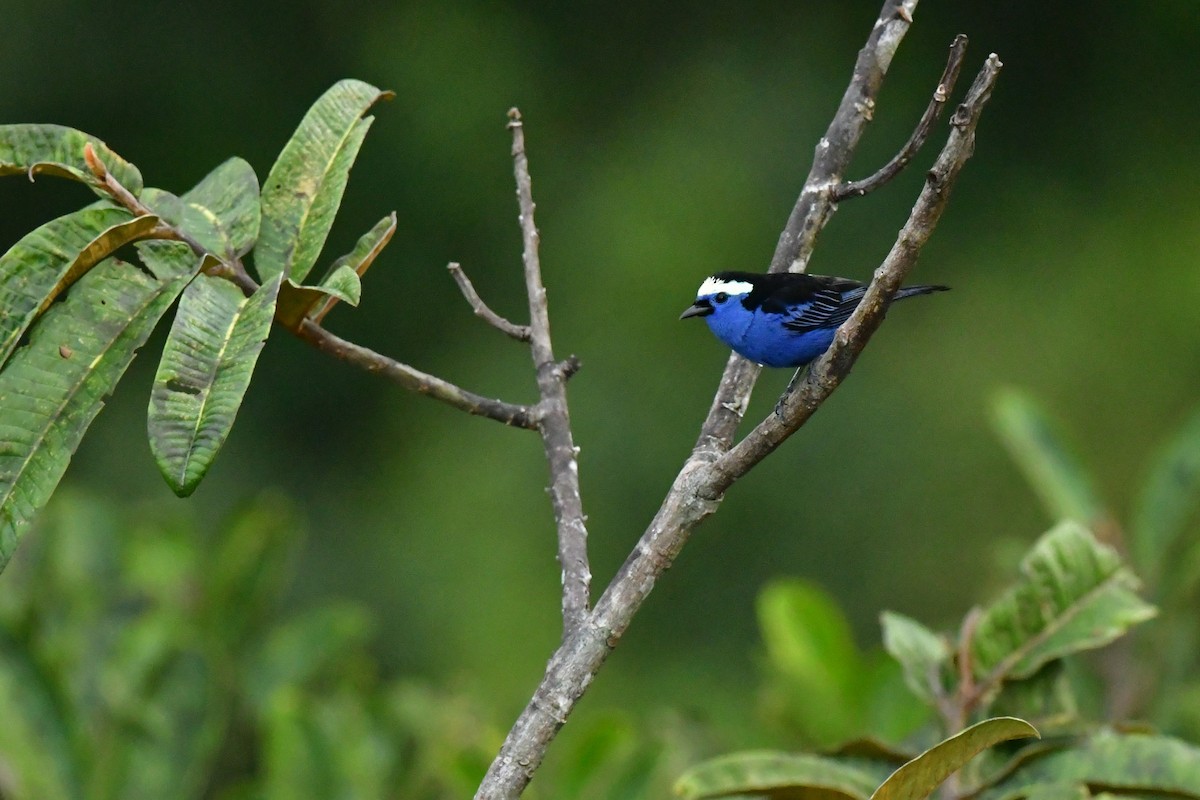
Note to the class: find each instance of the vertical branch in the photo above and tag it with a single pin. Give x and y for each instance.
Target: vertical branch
(554, 421)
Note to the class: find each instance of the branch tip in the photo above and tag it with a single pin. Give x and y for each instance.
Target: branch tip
(93, 162)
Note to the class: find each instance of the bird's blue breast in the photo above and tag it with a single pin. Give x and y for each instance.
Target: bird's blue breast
(761, 337)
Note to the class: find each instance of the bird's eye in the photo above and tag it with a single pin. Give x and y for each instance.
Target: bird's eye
(720, 297)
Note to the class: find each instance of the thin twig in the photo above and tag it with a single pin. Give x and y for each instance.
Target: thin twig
(700, 485)
(518, 332)
(519, 416)
(554, 420)
(945, 86)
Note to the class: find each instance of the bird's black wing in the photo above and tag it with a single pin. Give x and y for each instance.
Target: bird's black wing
(821, 303)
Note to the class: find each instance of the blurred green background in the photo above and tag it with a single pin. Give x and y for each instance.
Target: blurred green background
(667, 141)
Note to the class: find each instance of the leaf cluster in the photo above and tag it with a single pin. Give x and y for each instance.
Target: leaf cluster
(1002, 709)
(81, 294)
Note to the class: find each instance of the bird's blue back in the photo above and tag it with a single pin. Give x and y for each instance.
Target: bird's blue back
(781, 320)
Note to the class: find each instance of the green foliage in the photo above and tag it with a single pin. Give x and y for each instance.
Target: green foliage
(821, 686)
(140, 658)
(1073, 595)
(1165, 502)
(75, 351)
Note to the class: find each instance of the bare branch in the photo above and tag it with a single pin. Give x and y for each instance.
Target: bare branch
(554, 421)
(945, 86)
(815, 206)
(518, 416)
(828, 371)
(518, 332)
(700, 485)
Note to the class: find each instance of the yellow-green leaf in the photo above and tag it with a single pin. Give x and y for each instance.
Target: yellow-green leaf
(222, 211)
(918, 778)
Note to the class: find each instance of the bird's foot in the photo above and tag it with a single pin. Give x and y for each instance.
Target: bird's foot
(783, 398)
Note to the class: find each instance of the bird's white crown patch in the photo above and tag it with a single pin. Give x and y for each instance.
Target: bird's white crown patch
(714, 285)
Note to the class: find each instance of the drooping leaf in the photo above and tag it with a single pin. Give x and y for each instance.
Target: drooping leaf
(35, 737)
(1073, 594)
(206, 367)
(918, 778)
(304, 189)
(52, 389)
(301, 649)
(29, 149)
(1168, 499)
(811, 650)
(222, 211)
(1125, 763)
(1053, 471)
(921, 652)
(48, 259)
(768, 774)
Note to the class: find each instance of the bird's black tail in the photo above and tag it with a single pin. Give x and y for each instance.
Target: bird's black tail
(909, 291)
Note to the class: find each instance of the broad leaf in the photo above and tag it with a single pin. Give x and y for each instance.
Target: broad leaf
(1046, 699)
(205, 370)
(1157, 765)
(1074, 594)
(921, 652)
(918, 778)
(52, 389)
(57, 150)
(1168, 499)
(48, 259)
(304, 189)
(35, 738)
(222, 211)
(796, 776)
(1039, 449)
(811, 650)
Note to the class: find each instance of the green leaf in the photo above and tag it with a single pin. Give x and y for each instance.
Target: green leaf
(304, 189)
(1039, 449)
(298, 651)
(206, 367)
(56, 150)
(1123, 763)
(921, 652)
(222, 211)
(1046, 698)
(1167, 501)
(918, 778)
(811, 649)
(52, 389)
(165, 698)
(48, 259)
(796, 776)
(35, 739)
(1074, 594)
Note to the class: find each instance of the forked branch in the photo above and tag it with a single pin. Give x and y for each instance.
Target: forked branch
(712, 468)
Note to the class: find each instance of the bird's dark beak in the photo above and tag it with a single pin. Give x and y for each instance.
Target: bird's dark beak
(700, 308)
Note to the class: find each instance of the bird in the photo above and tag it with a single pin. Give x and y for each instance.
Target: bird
(781, 319)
